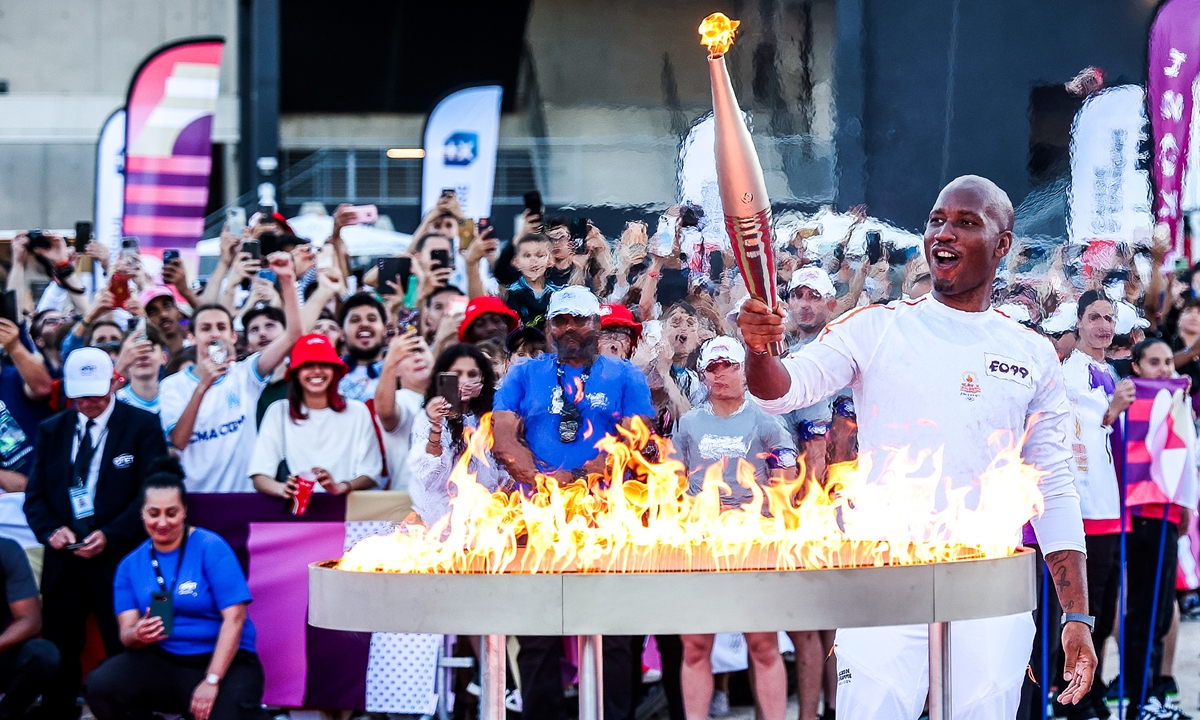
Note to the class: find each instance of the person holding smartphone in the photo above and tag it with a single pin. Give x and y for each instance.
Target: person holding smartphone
(438, 437)
(181, 600)
(81, 503)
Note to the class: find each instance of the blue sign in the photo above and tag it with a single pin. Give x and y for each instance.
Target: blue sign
(461, 148)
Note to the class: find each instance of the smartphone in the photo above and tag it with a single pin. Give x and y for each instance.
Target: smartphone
(664, 236)
(364, 214)
(254, 247)
(170, 256)
(672, 286)
(129, 247)
(447, 387)
(83, 235)
(874, 247)
(485, 228)
(268, 275)
(716, 265)
(396, 269)
(139, 328)
(440, 259)
(8, 307)
(579, 228)
(235, 218)
(533, 203)
(457, 306)
(448, 192)
(218, 351)
(266, 214)
(118, 285)
(466, 233)
(161, 607)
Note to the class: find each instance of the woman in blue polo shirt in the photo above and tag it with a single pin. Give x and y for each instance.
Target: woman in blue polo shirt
(194, 653)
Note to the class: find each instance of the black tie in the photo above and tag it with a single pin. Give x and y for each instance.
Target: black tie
(83, 456)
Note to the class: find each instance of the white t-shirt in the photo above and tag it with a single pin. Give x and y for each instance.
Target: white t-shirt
(343, 443)
(928, 376)
(1091, 458)
(360, 383)
(397, 442)
(216, 457)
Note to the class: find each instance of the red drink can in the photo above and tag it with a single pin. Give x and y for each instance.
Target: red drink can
(305, 482)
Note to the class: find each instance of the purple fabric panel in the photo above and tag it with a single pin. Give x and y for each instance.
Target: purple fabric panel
(1174, 62)
(279, 557)
(230, 514)
(338, 662)
(156, 210)
(155, 178)
(196, 138)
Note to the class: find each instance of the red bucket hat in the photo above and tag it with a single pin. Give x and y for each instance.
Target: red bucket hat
(483, 305)
(316, 348)
(618, 316)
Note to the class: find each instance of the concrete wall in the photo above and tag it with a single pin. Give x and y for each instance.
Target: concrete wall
(68, 64)
(1003, 50)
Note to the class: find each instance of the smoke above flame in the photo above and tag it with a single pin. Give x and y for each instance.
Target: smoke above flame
(885, 509)
(717, 32)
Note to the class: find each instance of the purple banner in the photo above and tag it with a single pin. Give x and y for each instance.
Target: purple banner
(1174, 65)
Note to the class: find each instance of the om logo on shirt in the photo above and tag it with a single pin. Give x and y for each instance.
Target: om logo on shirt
(717, 446)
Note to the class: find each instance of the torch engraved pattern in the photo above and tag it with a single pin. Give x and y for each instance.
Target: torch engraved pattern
(752, 247)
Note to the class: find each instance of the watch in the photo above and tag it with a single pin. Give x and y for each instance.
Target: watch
(212, 679)
(1084, 618)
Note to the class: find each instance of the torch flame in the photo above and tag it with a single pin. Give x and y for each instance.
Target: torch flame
(890, 508)
(716, 34)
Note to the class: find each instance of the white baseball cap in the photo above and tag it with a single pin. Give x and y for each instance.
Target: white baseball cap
(721, 348)
(573, 300)
(1016, 311)
(812, 277)
(1128, 319)
(1063, 319)
(88, 372)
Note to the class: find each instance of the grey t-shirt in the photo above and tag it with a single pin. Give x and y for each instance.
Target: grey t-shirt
(816, 418)
(18, 578)
(703, 439)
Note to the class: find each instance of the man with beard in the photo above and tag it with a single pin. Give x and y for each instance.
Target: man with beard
(945, 373)
(364, 325)
(487, 318)
(549, 412)
(162, 311)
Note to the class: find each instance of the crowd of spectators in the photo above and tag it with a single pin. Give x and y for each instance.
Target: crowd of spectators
(272, 373)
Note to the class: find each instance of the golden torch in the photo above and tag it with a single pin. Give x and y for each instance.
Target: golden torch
(739, 174)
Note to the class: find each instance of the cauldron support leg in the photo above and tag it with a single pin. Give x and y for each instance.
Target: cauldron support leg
(940, 705)
(591, 677)
(492, 669)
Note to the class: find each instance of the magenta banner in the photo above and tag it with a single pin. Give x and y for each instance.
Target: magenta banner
(168, 142)
(1174, 65)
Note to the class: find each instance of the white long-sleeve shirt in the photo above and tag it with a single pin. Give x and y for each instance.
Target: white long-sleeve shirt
(1092, 461)
(429, 475)
(928, 376)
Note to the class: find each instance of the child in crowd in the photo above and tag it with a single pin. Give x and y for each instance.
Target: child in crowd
(530, 295)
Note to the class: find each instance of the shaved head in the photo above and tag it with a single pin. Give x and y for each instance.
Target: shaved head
(997, 206)
(968, 233)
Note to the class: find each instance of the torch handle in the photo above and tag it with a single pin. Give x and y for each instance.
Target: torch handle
(750, 237)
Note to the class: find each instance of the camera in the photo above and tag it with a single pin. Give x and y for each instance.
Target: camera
(38, 240)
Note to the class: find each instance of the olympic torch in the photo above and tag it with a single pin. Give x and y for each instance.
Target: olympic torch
(739, 174)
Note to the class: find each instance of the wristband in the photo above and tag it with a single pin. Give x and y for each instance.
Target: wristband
(1080, 618)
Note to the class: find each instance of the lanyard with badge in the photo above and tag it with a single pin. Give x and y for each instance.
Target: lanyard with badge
(569, 417)
(162, 603)
(82, 504)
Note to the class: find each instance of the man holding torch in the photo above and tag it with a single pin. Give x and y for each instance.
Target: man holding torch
(976, 373)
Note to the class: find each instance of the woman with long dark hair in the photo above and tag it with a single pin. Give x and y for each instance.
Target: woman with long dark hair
(316, 430)
(439, 433)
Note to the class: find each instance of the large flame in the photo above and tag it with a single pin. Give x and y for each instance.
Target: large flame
(716, 34)
(896, 509)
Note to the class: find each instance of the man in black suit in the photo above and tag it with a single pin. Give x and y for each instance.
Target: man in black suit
(83, 503)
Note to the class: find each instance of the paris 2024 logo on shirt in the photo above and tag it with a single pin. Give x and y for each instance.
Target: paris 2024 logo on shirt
(970, 386)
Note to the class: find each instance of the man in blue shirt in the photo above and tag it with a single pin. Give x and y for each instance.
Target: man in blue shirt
(566, 402)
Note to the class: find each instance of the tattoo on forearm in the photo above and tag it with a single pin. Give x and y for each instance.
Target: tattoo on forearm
(1063, 567)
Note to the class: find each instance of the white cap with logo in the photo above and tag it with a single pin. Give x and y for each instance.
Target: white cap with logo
(88, 373)
(814, 278)
(722, 347)
(1063, 319)
(573, 300)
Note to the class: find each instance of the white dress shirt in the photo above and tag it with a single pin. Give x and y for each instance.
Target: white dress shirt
(99, 436)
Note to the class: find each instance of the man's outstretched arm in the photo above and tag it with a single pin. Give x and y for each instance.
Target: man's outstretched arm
(1069, 571)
